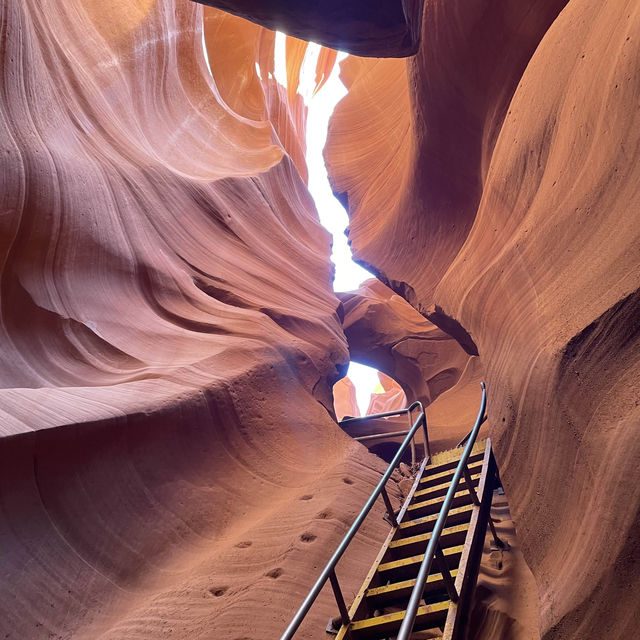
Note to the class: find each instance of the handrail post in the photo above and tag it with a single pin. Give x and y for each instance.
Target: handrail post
(446, 574)
(467, 481)
(498, 541)
(337, 592)
(387, 503)
(427, 448)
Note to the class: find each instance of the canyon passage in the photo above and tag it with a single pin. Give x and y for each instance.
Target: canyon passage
(175, 348)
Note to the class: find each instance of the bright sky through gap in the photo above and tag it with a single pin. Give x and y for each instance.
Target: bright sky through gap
(365, 380)
(348, 274)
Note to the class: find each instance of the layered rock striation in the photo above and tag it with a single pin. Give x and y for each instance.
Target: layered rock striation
(387, 333)
(170, 339)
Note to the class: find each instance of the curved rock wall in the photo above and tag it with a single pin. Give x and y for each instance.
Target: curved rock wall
(169, 334)
(391, 399)
(413, 170)
(517, 214)
(344, 399)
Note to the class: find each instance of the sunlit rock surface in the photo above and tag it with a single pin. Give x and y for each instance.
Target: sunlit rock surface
(507, 208)
(391, 398)
(387, 333)
(344, 399)
(169, 333)
(169, 462)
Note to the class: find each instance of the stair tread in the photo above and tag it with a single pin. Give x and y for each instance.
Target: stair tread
(422, 504)
(445, 485)
(448, 531)
(443, 458)
(475, 461)
(386, 589)
(448, 474)
(431, 519)
(393, 620)
(405, 562)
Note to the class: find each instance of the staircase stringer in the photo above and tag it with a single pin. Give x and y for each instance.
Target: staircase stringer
(470, 561)
(354, 609)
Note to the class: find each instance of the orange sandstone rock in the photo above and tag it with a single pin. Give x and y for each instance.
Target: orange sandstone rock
(387, 333)
(391, 399)
(344, 399)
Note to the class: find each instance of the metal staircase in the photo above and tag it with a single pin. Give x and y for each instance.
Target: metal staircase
(424, 575)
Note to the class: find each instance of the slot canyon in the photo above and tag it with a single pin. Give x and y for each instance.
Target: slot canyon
(174, 353)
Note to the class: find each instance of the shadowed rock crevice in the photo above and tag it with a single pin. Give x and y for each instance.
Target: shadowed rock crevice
(378, 29)
(452, 327)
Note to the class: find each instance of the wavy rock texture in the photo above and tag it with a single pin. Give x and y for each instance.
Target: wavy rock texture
(512, 214)
(382, 29)
(169, 334)
(420, 157)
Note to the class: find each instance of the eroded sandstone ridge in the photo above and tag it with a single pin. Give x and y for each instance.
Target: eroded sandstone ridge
(169, 333)
(169, 336)
(497, 189)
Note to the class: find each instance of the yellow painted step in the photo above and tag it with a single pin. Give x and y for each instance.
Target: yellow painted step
(428, 616)
(441, 489)
(453, 455)
(401, 591)
(451, 536)
(430, 507)
(437, 475)
(426, 523)
(407, 568)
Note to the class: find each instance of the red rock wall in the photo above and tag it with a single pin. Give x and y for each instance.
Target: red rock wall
(169, 335)
(387, 333)
(510, 213)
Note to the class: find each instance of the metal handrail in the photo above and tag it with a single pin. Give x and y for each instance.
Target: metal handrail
(484, 419)
(433, 548)
(328, 573)
(380, 436)
(386, 414)
(389, 434)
